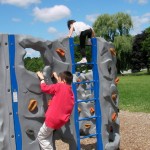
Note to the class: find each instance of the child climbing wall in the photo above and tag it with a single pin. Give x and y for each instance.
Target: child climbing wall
(22, 104)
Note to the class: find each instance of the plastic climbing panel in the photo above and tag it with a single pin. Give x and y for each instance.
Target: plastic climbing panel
(23, 105)
(108, 97)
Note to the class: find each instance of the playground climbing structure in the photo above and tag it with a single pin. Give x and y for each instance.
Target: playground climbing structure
(23, 105)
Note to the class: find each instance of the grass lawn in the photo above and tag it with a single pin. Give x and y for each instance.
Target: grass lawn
(134, 93)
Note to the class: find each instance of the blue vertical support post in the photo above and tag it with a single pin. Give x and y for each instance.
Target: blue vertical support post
(96, 94)
(14, 91)
(76, 116)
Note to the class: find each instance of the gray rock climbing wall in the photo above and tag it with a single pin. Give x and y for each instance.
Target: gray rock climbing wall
(106, 62)
(32, 103)
(108, 94)
(7, 140)
(29, 89)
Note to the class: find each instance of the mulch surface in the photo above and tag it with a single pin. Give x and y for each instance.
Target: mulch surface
(134, 132)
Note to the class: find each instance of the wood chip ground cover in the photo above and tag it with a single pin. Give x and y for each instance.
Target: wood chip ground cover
(134, 131)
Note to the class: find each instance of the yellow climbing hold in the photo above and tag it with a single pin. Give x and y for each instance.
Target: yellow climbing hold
(32, 105)
(113, 52)
(79, 109)
(87, 126)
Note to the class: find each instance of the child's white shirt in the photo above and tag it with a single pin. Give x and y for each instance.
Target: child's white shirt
(79, 27)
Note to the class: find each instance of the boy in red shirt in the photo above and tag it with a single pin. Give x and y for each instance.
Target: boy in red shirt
(60, 108)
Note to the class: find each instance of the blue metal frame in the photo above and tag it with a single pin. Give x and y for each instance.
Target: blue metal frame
(96, 94)
(14, 90)
(76, 116)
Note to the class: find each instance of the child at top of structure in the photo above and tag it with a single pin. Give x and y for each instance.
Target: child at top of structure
(83, 31)
(60, 108)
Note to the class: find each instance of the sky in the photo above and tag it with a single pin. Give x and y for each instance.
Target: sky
(47, 19)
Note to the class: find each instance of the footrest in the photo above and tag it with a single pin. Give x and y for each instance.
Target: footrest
(87, 100)
(77, 64)
(88, 118)
(84, 82)
(88, 136)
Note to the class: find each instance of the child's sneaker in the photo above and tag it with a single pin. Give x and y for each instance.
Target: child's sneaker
(83, 60)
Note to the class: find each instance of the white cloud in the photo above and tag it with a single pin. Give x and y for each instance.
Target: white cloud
(16, 20)
(138, 1)
(61, 35)
(130, 1)
(32, 53)
(147, 15)
(139, 22)
(20, 3)
(92, 17)
(51, 14)
(52, 30)
(142, 1)
(56, 34)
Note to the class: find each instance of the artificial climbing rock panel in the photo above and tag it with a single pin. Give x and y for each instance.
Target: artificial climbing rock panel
(23, 105)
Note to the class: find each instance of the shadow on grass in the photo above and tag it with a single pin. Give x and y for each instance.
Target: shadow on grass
(135, 74)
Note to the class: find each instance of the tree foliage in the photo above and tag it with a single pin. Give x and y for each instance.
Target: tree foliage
(33, 64)
(123, 45)
(115, 28)
(141, 51)
(109, 26)
(105, 27)
(146, 42)
(124, 23)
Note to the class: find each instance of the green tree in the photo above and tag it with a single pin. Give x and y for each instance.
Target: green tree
(33, 64)
(109, 26)
(146, 47)
(146, 42)
(115, 28)
(141, 51)
(105, 27)
(123, 22)
(123, 45)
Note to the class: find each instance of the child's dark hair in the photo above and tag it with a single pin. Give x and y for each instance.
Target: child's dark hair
(69, 22)
(67, 76)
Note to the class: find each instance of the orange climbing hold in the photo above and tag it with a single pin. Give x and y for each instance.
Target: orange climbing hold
(79, 109)
(92, 110)
(87, 126)
(60, 51)
(114, 117)
(32, 105)
(78, 80)
(114, 96)
(49, 101)
(113, 52)
(117, 80)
